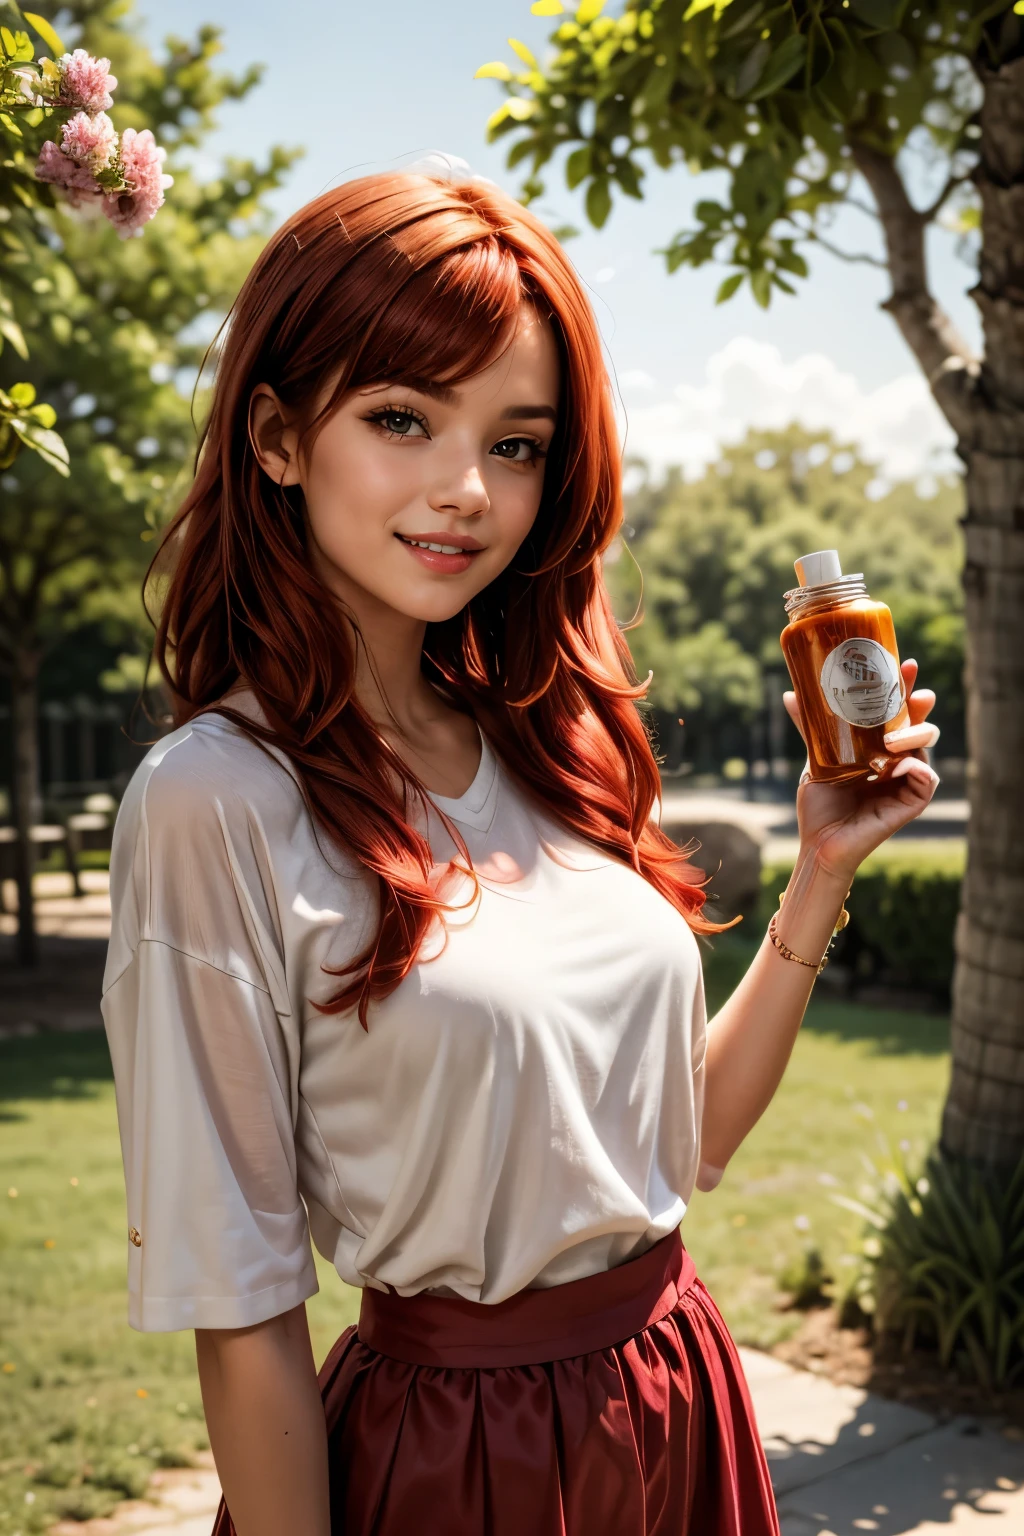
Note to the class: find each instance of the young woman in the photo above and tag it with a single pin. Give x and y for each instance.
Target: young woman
(400, 959)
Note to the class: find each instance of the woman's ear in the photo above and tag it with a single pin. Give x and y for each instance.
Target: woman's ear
(275, 441)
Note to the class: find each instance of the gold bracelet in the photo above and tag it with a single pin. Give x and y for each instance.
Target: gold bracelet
(788, 954)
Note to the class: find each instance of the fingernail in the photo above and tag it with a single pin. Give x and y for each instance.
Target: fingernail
(902, 734)
(915, 765)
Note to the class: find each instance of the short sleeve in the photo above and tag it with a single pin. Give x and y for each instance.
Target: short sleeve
(218, 1234)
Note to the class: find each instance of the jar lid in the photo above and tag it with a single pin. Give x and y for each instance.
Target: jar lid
(817, 569)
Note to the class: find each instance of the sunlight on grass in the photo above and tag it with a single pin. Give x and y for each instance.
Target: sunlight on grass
(88, 1408)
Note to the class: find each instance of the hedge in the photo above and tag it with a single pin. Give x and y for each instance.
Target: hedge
(903, 909)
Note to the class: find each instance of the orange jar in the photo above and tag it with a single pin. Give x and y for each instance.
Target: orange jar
(840, 648)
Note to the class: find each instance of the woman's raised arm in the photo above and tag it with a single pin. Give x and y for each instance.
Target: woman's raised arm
(751, 1037)
(266, 1421)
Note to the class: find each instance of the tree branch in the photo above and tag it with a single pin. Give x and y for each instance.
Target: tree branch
(952, 182)
(948, 362)
(852, 256)
(855, 202)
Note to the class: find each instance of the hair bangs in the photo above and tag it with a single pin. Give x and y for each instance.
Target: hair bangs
(449, 320)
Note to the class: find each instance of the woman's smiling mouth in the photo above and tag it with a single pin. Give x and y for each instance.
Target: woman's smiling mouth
(447, 553)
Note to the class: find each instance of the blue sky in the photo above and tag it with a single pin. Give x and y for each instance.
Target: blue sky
(374, 85)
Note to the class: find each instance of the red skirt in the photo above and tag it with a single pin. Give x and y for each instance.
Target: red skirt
(610, 1406)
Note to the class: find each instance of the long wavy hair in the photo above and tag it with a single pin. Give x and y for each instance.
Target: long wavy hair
(387, 277)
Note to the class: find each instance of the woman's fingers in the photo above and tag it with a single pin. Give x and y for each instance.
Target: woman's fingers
(789, 699)
(909, 669)
(919, 776)
(920, 704)
(911, 738)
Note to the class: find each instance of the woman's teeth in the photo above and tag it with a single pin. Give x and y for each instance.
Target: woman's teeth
(440, 549)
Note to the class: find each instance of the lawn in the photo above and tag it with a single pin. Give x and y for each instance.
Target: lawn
(88, 1408)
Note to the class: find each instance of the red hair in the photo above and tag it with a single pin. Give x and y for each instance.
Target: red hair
(401, 276)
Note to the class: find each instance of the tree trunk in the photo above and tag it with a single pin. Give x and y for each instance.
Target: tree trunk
(984, 1114)
(27, 799)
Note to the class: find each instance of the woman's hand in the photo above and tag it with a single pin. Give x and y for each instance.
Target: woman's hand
(842, 823)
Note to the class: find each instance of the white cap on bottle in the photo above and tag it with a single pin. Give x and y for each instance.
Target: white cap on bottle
(814, 570)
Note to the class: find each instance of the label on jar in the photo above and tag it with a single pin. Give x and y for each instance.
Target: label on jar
(862, 682)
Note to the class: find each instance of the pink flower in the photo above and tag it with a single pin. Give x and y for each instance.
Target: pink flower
(141, 158)
(75, 180)
(89, 141)
(86, 82)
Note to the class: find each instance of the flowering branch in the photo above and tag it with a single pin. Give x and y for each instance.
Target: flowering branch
(91, 165)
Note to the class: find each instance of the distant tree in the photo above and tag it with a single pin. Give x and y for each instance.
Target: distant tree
(114, 328)
(912, 110)
(709, 559)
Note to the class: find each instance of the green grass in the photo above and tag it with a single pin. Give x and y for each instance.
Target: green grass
(91, 1407)
(860, 1077)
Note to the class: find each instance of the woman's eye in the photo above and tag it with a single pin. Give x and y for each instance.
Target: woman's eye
(396, 422)
(533, 450)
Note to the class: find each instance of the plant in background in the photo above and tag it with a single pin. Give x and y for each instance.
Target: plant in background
(806, 1280)
(943, 1265)
(92, 166)
(118, 329)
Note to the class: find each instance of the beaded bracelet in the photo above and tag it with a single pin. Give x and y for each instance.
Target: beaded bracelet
(788, 954)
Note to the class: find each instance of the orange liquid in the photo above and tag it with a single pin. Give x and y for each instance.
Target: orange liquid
(836, 748)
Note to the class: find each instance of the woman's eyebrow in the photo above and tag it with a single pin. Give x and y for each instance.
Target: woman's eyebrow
(449, 396)
(539, 412)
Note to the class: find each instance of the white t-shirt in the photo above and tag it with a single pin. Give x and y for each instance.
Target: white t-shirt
(524, 1109)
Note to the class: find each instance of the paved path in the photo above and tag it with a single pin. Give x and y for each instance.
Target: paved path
(842, 1462)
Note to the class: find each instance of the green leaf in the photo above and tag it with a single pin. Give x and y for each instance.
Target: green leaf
(49, 445)
(877, 13)
(547, 8)
(761, 286)
(10, 124)
(11, 330)
(44, 414)
(46, 32)
(729, 287)
(522, 51)
(520, 108)
(588, 11)
(22, 395)
(17, 46)
(598, 201)
(711, 213)
(792, 261)
(696, 6)
(781, 67)
(629, 177)
(577, 167)
(516, 107)
(495, 71)
(752, 68)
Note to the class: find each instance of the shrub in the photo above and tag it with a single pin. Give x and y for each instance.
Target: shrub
(806, 1281)
(903, 909)
(946, 1262)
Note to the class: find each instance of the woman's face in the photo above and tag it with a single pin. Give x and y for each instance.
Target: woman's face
(399, 466)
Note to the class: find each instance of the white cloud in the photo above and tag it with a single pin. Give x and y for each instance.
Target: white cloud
(748, 384)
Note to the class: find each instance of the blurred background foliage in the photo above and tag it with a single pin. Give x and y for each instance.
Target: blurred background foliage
(703, 565)
(116, 334)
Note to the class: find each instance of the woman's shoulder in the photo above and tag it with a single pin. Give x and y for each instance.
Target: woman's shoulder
(198, 841)
(209, 768)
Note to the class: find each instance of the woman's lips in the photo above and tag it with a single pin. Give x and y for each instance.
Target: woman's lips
(435, 561)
